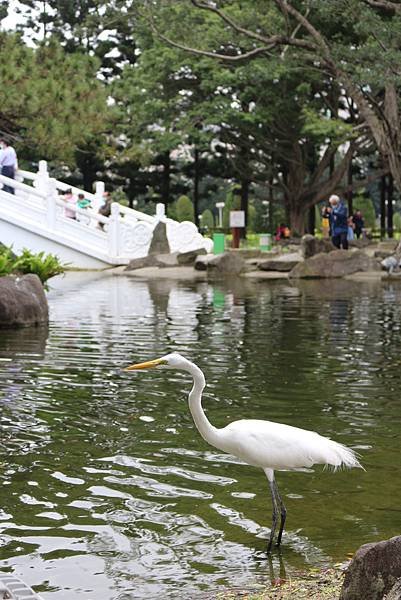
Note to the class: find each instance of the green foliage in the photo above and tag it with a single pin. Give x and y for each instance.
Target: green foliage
(43, 265)
(365, 205)
(397, 221)
(7, 261)
(207, 219)
(53, 96)
(252, 217)
(322, 127)
(184, 209)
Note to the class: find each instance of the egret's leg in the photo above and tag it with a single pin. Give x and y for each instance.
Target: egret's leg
(283, 512)
(274, 515)
(275, 505)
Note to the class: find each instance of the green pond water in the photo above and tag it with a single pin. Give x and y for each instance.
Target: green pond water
(107, 489)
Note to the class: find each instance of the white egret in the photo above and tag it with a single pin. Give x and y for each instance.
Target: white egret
(271, 446)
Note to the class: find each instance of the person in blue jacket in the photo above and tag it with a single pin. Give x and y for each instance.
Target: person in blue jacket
(338, 222)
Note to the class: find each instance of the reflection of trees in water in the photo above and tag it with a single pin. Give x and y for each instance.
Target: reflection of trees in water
(22, 430)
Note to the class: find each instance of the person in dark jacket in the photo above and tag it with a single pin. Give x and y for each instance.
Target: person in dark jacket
(338, 222)
(359, 223)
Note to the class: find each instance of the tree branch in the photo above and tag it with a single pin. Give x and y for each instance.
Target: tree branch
(224, 17)
(385, 5)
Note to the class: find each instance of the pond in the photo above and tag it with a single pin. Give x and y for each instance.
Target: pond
(107, 489)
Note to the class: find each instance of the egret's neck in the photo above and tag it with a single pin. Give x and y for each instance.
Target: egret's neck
(205, 428)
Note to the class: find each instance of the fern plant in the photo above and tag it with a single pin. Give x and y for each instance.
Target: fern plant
(41, 264)
(7, 261)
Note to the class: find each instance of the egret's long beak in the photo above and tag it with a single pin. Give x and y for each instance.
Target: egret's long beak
(150, 364)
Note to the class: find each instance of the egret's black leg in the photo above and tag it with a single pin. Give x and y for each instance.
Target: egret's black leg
(274, 515)
(283, 512)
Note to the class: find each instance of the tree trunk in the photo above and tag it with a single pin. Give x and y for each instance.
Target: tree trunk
(312, 220)
(350, 192)
(383, 186)
(165, 183)
(390, 190)
(271, 200)
(297, 216)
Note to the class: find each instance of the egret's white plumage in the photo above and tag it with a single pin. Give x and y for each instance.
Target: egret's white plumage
(266, 444)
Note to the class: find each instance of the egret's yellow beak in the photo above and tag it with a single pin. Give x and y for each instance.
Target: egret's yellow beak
(146, 365)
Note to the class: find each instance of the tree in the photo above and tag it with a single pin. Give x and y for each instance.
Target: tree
(207, 219)
(276, 121)
(354, 42)
(184, 209)
(54, 99)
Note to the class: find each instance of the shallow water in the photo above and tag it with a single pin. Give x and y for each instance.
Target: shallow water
(107, 489)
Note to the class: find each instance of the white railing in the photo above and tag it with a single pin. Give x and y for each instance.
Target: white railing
(124, 235)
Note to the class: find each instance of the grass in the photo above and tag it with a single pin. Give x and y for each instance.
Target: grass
(312, 585)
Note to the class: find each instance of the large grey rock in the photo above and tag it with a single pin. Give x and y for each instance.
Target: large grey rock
(153, 260)
(383, 253)
(159, 243)
(201, 262)
(228, 263)
(373, 571)
(284, 262)
(140, 263)
(338, 263)
(188, 258)
(311, 246)
(22, 301)
(362, 242)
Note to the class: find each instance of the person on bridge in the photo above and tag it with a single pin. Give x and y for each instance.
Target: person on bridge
(71, 200)
(105, 209)
(8, 163)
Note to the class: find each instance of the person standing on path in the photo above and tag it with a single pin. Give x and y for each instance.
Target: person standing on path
(338, 222)
(8, 163)
(359, 223)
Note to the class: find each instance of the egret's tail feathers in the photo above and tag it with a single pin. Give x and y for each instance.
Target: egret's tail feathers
(342, 457)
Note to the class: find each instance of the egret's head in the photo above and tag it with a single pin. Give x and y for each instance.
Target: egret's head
(169, 361)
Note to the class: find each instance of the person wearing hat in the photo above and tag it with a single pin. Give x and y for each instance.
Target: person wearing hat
(338, 222)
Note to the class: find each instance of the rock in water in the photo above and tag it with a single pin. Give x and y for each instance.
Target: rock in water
(189, 258)
(283, 262)
(228, 263)
(311, 246)
(159, 243)
(153, 260)
(338, 263)
(374, 571)
(22, 301)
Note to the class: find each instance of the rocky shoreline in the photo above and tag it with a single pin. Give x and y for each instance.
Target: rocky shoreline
(311, 258)
(374, 573)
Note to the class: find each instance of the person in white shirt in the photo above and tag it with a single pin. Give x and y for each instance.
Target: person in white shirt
(8, 163)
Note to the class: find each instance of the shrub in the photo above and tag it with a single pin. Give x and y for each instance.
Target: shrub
(207, 219)
(7, 261)
(41, 264)
(184, 209)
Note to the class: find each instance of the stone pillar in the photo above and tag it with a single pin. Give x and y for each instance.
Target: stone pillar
(160, 212)
(42, 179)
